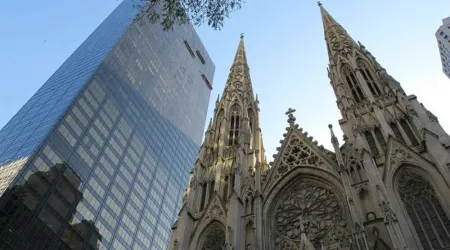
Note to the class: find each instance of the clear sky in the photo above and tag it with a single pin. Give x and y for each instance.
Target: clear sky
(285, 49)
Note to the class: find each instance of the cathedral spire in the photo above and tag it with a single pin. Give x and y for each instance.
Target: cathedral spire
(240, 57)
(239, 81)
(336, 36)
(230, 166)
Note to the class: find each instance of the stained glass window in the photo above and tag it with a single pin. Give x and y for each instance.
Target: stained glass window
(427, 215)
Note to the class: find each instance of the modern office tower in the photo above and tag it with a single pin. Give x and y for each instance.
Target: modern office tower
(99, 156)
(385, 187)
(443, 38)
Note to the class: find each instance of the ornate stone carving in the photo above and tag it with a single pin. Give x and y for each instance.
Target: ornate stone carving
(388, 214)
(353, 161)
(320, 209)
(249, 219)
(362, 187)
(400, 154)
(413, 187)
(215, 238)
(264, 175)
(297, 153)
(215, 210)
(248, 190)
(388, 79)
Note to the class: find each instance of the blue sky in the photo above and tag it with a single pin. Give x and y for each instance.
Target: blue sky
(285, 49)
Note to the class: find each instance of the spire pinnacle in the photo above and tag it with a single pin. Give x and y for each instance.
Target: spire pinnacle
(334, 140)
(239, 77)
(240, 57)
(210, 125)
(336, 36)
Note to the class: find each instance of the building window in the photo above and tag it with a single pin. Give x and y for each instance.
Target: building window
(380, 139)
(427, 215)
(208, 84)
(441, 33)
(189, 49)
(353, 85)
(225, 188)
(408, 132)
(215, 238)
(211, 190)
(200, 57)
(234, 126)
(397, 132)
(372, 144)
(373, 86)
(203, 196)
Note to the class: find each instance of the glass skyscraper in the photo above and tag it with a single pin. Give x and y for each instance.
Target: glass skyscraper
(99, 157)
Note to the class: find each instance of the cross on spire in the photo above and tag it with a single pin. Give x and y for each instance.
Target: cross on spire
(291, 117)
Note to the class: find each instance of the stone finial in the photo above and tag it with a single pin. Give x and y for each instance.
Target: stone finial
(291, 117)
(319, 3)
(333, 137)
(242, 35)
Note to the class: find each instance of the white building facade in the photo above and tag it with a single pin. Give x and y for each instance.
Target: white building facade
(443, 37)
(385, 188)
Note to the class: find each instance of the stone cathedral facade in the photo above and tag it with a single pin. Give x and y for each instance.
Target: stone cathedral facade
(386, 187)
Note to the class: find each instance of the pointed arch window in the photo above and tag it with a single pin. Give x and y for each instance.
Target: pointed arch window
(203, 196)
(380, 139)
(397, 132)
(225, 188)
(371, 141)
(425, 211)
(365, 72)
(211, 190)
(353, 84)
(408, 131)
(214, 238)
(234, 126)
(220, 116)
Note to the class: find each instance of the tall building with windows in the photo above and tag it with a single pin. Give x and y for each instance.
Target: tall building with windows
(386, 187)
(98, 157)
(443, 38)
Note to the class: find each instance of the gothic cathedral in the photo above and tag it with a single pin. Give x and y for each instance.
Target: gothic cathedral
(386, 187)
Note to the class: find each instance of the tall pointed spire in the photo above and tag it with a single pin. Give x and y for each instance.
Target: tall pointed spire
(336, 36)
(230, 164)
(239, 78)
(240, 57)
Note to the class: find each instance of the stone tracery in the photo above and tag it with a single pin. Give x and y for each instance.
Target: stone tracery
(215, 238)
(297, 153)
(322, 214)
(430, 221)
